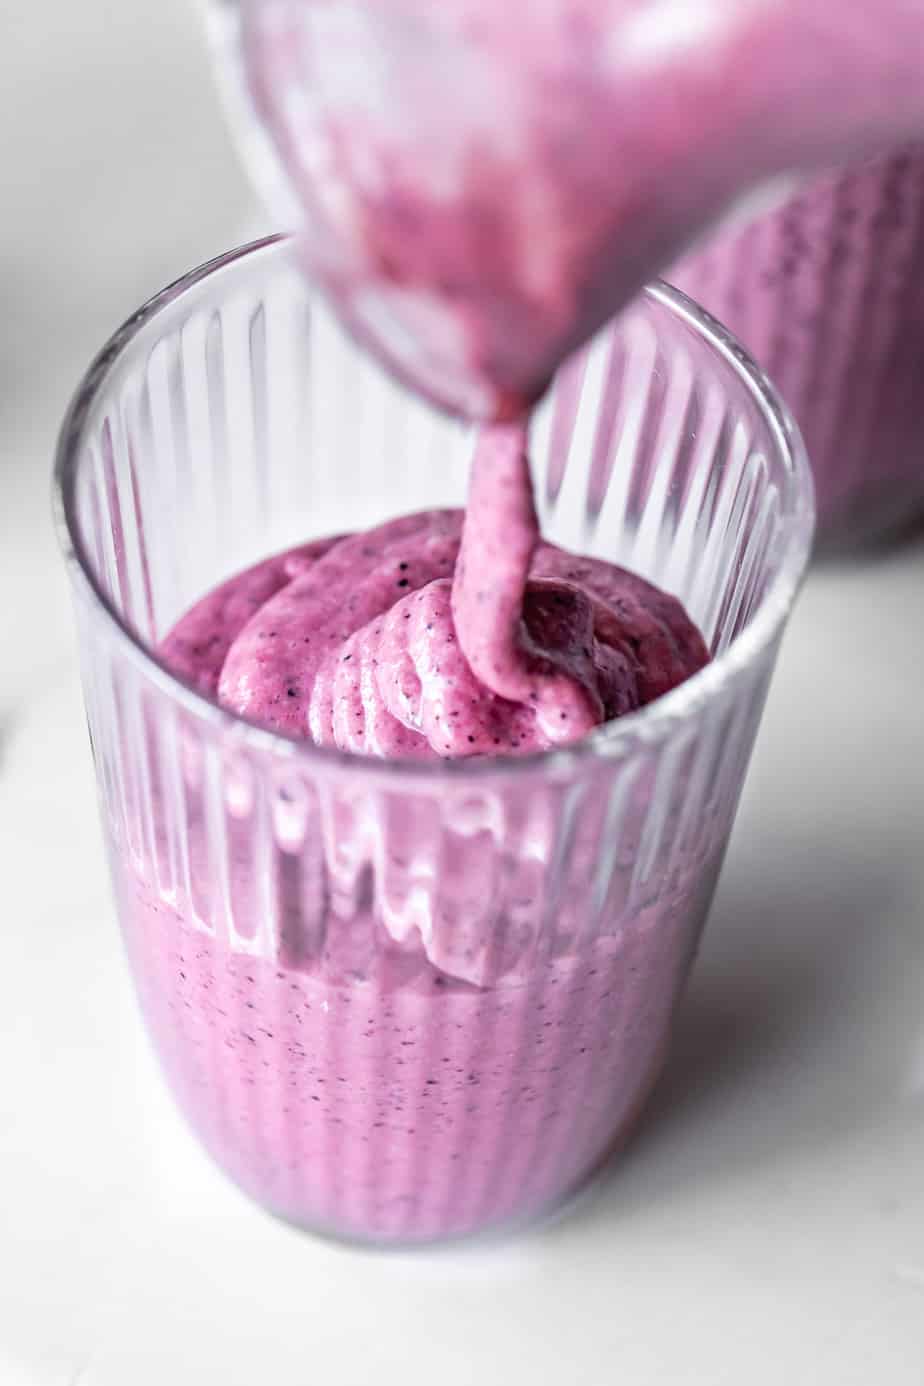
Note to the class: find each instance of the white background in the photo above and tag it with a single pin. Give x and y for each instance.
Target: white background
(768, 1223)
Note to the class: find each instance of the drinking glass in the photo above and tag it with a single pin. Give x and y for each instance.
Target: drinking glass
(401, 1002)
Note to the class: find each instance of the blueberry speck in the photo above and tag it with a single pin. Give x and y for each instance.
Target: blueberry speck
(291, 693)
(403, 582)
(403, 567)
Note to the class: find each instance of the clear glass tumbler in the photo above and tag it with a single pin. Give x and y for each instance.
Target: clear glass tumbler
(407, 1001)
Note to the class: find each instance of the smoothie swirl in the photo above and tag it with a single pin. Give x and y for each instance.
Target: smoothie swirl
(439, 634)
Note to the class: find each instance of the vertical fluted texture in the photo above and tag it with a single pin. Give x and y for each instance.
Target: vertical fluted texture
(828, 295)
(392, 1005)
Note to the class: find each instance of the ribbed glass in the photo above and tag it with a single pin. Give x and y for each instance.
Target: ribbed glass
(828, 294)
(403, 1002)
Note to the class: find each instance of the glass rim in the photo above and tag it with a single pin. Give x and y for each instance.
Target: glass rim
(614, 740)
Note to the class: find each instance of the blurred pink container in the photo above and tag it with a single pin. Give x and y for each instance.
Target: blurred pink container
(828, 294)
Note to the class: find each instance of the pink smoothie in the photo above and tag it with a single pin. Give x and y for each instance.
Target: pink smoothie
(429, 637)
(369, 1093)
(428, 1067)
(828, 294)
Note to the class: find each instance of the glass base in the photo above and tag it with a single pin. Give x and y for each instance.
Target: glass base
(583, 1191)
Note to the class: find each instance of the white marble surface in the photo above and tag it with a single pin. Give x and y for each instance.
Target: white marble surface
(767, 1225)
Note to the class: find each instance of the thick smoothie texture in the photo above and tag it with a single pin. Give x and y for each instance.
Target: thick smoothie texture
(827, 293)
(463, 1044)
(438, 634)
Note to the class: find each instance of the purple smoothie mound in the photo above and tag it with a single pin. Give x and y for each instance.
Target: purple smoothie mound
(358, 648)
(439, 634)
